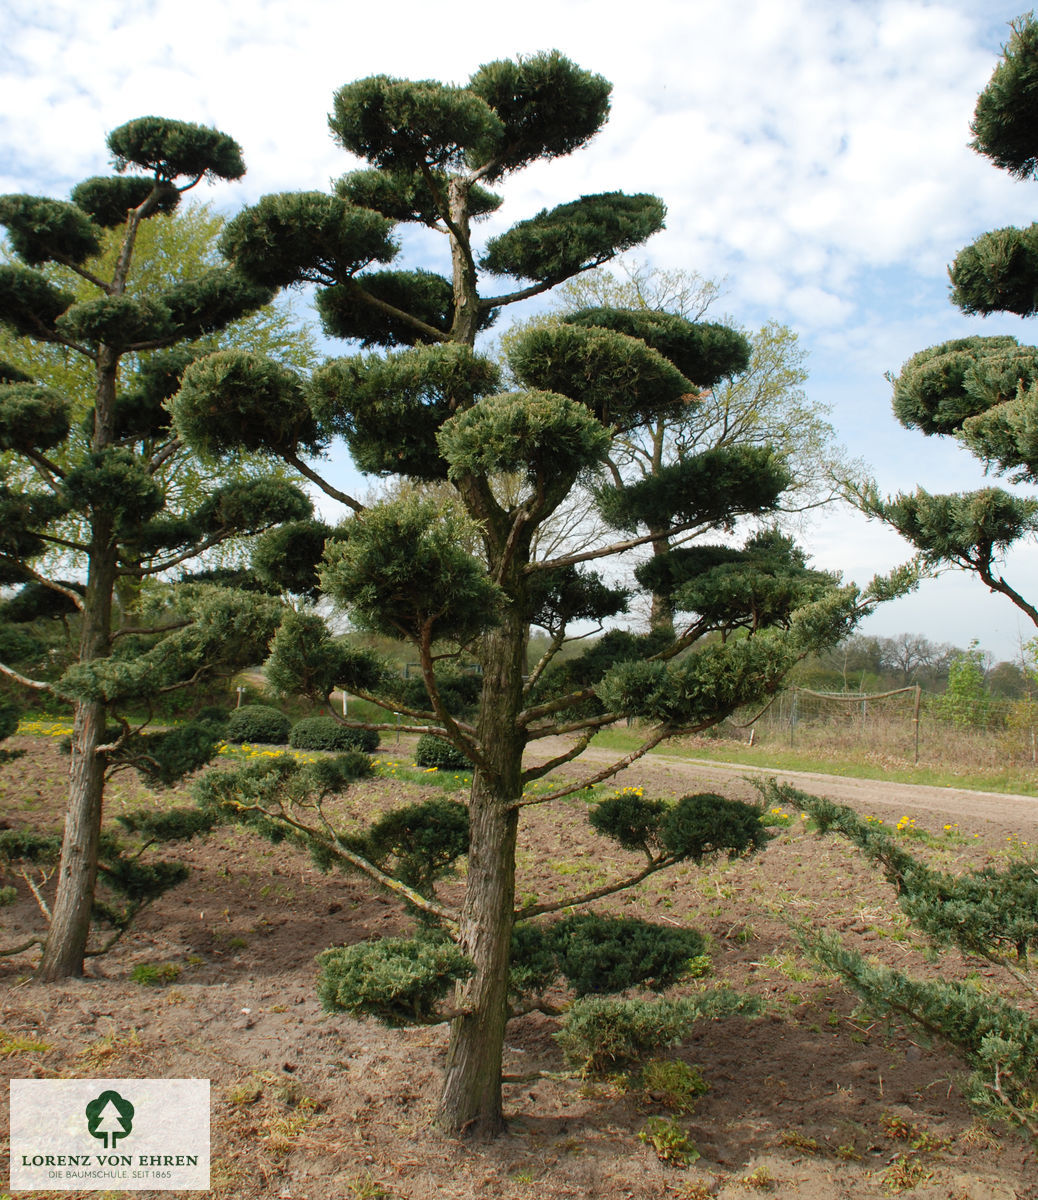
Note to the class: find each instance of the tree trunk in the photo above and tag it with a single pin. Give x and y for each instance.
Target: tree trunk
(66, 945)
(70, 926)
(471, 1100)
(662, 614)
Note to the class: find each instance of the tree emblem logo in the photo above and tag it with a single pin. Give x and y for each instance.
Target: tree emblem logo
(109, 1118)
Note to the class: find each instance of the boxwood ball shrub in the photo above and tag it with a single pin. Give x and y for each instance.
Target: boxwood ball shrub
(258, 723)
(434, 752)
(325, 733)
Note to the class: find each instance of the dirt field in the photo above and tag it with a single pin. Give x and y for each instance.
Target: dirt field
(806, 1102)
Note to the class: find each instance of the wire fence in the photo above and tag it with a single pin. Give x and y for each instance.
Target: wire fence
(905, 724)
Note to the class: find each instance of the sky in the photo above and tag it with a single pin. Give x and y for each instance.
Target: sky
(813, 155)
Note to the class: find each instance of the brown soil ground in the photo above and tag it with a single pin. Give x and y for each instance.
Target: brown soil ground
(803, 1103)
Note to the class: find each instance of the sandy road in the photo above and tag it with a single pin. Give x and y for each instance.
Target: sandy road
(669, 773)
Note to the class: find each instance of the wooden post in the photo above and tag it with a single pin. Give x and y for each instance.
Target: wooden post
(915, 719)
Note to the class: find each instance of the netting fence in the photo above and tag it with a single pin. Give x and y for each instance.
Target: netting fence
(906, 724)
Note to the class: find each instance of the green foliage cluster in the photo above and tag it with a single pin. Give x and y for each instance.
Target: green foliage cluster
(432, 751)
(399, 981)
(672, 1144)
(258, 723)
(417, 843)
(603, 1033)
(966, 700)
(259, 793)
(990, 914)
(459, 691)
(983, 391)
(326, 733)
(673, 1083)
(696, 827)
(596, 954)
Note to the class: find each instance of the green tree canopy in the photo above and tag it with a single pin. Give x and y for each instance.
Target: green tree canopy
(103, 506)
(454, 563)
(982, 391)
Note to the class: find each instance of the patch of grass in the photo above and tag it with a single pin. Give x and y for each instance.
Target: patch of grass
(765, 757)
(111, 1046)
(246, 1092)
(672, 1144)
(155, 974)
(791, 967)
(14, 1043)
(793, 1139)
(673, 1084)
(284, 1130)
(760, 1179)
(407, 772)
(903, 1175)
(367, 1187)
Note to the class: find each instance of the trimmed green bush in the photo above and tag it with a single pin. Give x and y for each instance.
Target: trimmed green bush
(325, 733)
(398, 981)
(435, 752)
(603, 1033)
(258, 723)
(603, 954)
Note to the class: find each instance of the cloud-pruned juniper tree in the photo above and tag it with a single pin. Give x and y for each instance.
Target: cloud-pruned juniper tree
(464, 574)
(983, 391)
(88, 496)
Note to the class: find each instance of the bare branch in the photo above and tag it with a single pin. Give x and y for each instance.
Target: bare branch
(654, 739)
(361, 864)
(8, 950)
(25, 681)
(537, 910)
(328, 489)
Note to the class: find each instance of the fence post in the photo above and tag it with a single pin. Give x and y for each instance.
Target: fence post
(915, 719)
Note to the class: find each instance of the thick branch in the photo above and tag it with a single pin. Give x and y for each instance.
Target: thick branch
(147, 631)
(513, 297)
(552, 564)
(355, 860)
(458, 737)
(652, 740)
(545, 768)
(390, 310)
(537, 910)
(47, 469)
(295, 461)
(164, 454)
(79, 547)
(7, 950)
(999, 585)
(392, 707)
(554, 646)
(35, 684)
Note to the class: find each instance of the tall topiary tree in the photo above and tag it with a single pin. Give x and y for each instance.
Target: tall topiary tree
(983, 391)
(89, 496)
(464, 574)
